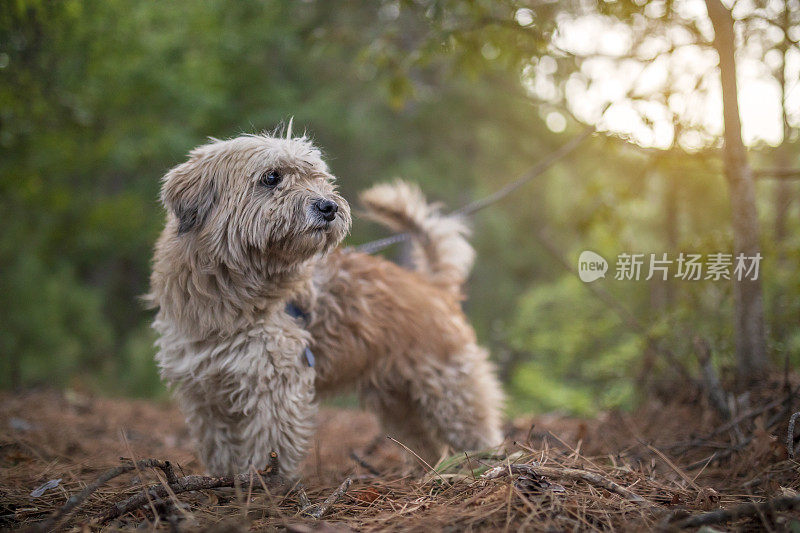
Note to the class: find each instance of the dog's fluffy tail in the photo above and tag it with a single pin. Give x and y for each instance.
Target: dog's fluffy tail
(440, 248)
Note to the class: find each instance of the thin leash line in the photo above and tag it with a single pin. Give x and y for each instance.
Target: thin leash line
(482, 203)
(381, 244)
(533, 172)
(473, 207)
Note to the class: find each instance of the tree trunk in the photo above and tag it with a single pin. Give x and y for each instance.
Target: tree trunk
(751, 356)
(783, 191)
(783, 197)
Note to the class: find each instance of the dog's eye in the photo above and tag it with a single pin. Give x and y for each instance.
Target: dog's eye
(271, 178)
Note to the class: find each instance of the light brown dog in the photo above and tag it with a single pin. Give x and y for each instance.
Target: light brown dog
(259, 313)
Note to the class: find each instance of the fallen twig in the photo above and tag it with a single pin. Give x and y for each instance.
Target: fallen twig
(740, 511)
(722, 454)
(325, 506)
(305, 503)
(164, 466)
(679, 447)
(790, 436)
(565, 473)
(508, 469)
(594, 479)
(185, 484)
(752, 413)
(75, 500)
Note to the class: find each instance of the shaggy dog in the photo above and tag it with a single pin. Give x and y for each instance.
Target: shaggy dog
(259, 312)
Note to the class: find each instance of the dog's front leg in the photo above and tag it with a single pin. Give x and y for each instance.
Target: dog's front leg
(252, 399)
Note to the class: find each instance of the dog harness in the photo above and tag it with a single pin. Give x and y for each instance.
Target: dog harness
(295, 312)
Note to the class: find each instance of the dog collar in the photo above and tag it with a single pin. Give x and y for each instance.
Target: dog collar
(295, 312)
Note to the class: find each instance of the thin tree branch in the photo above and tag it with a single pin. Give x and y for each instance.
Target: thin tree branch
(325, 506)
(745, 510)
(185, 484)
(74, 501)
(790, 436)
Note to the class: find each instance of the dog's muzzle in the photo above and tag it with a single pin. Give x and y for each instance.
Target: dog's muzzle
(326, 209)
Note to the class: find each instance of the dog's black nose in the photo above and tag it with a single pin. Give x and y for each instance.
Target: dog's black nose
(326, 208)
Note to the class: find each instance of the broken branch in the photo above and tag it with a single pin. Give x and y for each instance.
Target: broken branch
(790, 436)
(74, 501)
(325, 506)
(184, 484)
(740, 511)
(565, 473)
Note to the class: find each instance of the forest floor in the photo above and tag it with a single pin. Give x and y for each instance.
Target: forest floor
(666, 466)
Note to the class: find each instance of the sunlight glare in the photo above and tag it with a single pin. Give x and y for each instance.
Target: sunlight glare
(556, 122)
(688, 75)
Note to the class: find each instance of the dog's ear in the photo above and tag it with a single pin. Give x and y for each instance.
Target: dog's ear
(188, 191)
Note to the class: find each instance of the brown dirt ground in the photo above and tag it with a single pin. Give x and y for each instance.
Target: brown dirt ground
(51, 435)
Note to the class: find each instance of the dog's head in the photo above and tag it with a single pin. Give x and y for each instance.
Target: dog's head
(256, 198)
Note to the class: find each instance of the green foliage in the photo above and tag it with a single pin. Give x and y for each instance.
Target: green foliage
(99, 98)
(55, 327)
(581, 353)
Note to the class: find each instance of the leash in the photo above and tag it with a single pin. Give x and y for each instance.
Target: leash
(473, 207)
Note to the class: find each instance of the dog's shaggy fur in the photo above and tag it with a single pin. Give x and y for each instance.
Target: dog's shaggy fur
(237, 247)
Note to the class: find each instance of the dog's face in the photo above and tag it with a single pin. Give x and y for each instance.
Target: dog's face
(256, 199)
